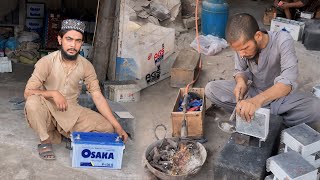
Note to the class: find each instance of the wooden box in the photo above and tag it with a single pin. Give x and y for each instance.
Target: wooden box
(185, 68)
(194, 118)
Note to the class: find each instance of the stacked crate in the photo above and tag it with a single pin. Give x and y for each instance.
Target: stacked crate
(52, 27)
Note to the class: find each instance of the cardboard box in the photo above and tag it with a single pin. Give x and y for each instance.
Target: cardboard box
(35, 10)
(126, 69)
(143, 50)
(295, 28)
(307, 15)
(122, 91)
(5, 65)
(96, 150)
(194, 118)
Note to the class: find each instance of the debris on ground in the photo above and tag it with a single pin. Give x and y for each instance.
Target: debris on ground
(175, 158)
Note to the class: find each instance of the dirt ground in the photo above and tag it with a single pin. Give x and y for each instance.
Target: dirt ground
(18, 143)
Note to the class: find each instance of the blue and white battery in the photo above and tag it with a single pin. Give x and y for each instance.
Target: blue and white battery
(96, 150)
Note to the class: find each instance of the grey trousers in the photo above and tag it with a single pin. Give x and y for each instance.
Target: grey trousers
(295, 108)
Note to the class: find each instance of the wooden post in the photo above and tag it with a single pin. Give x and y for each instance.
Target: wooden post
(103, 37)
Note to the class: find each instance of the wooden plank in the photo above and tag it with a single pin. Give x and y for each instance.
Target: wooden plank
(114, 44)
(103, 38)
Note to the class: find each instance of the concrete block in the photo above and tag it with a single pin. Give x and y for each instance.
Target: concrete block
(238, 162)
(302, 139)
(190, 22)
(292, 166)
(127, 123)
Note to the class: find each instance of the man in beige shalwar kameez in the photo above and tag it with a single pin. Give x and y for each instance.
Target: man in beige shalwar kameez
(51, 94)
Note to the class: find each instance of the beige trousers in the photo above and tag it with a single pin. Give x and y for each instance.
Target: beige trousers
(41, 120)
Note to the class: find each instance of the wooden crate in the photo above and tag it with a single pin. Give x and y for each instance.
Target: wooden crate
(185, 68)
(194, 119)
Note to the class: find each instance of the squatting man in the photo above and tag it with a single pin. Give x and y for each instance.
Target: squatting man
(51, 94)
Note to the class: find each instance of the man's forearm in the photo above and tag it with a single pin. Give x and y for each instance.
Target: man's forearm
(276, 91)
(105, 109)
(241, 78)
(297, 4)
(46, 94)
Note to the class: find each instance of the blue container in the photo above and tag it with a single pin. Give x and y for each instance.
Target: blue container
(214, 17)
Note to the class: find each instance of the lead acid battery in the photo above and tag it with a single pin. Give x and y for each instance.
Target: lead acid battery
(96, 150)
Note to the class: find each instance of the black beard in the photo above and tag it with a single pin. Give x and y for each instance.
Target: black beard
(68, 57)
(256, 56)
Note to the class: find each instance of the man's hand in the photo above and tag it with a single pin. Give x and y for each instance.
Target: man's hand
(60, 101)
(276, 2)
(246, 108)
(240, 90)
(122, 134)
(284, 5)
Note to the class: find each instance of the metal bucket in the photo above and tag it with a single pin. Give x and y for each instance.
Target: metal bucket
(165, 176)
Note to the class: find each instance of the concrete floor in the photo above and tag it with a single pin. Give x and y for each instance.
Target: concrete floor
(18, 143)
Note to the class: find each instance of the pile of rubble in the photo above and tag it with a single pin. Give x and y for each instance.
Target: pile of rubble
(167, 13)
(175, 158)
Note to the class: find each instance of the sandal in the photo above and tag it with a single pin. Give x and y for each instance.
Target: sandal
(45, 152)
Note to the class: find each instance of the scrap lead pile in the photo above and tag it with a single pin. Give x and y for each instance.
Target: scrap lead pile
(175, 158)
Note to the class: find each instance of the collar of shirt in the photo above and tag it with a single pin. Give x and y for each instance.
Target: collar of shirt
(67, 69)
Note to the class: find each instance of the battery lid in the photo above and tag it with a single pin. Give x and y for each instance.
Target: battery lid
(96, 138)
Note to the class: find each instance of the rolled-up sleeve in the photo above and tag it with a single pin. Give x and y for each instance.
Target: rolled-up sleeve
(90, 79)
(41, 71)
(289, 62)
(241, 67)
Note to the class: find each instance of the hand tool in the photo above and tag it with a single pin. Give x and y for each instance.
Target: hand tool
(184, 126)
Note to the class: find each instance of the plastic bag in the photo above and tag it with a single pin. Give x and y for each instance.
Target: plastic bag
(11, 44)
(209, 45)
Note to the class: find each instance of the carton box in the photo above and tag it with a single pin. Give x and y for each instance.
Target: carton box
(96, 150)
(122, 91)
(143, 50)
(307, 15)
(295, 28)
(5, 65)
(35, 10)
(127, 68)
(194, 118)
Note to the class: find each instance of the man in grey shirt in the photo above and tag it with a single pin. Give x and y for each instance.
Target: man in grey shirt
(269, 60)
